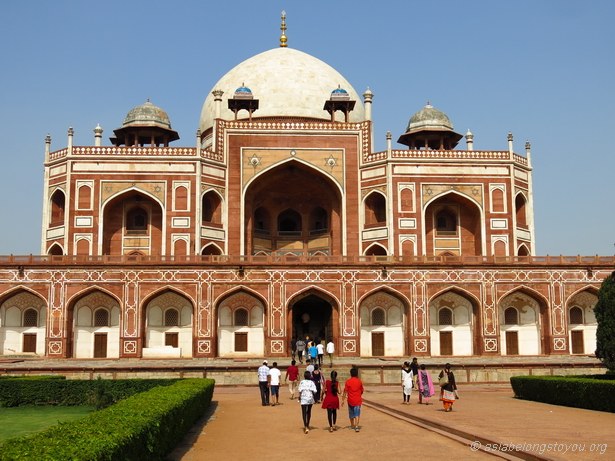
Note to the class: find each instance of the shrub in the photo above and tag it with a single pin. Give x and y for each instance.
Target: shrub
(589, 392)
(46, 391)
(605, 316)
(144, 426)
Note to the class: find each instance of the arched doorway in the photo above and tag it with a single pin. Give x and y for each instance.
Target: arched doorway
(312, 316)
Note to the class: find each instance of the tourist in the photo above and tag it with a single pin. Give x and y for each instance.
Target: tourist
(293, 348)
(353, 390)
(274, 383)
(309, 367)
(306, 389)
(426, 390)
(318, 382)
(407, 382)
(263, 382)
(313, 351)
(330, 351)
(448, 387)
(320, 350)
(300, 346)
(331, 400)
(414, 366)
(291, 377)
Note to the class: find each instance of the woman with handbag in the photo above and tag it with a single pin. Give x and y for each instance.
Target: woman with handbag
(448, 387)
(306, 389)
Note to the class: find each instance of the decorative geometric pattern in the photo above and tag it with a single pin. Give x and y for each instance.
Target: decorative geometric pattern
(203, 346)
(491, 344)
(349, 345)
(277, 346)
(559, 344)
(130, 347)
(55, 347)
(420, 345)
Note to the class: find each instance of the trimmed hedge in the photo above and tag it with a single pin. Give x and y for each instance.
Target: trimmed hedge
(145, 426)
(49, 390)
(593, 392)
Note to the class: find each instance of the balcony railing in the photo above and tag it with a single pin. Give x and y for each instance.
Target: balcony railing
(302, 258)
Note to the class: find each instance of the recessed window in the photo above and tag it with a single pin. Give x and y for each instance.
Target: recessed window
(171, 318)
(576, 316)
(445, 316)
(30, 318)
(241, 318)
(378, 317)
(511, 316)
(101, 318)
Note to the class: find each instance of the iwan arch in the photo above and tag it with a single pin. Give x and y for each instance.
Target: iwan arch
(281, 219)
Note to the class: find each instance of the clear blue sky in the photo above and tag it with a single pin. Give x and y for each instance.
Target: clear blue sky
(544, 70)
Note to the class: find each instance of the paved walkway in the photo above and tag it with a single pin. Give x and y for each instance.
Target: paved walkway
(239, 428)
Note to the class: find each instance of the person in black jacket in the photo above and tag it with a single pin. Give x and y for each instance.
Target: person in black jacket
(448, 387)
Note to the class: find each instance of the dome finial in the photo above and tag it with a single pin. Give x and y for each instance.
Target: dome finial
(283, 38)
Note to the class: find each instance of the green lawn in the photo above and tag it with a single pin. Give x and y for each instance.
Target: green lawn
(16, 421)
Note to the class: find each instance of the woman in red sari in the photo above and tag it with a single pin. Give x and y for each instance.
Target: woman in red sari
(448, 387)
(331, 400)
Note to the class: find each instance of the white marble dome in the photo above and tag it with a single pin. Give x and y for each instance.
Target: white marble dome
(287, 83)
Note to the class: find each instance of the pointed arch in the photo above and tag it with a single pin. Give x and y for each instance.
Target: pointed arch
(375, 249)
(240, 319)
(211, 249)
(384, 321)
(463, 335)
(55, 250)
(521, 210)
(375, 209)
(161, 339)
(57, 208)
(455, 223)
(211, 207)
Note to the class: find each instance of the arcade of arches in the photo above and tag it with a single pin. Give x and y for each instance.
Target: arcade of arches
(242, 323)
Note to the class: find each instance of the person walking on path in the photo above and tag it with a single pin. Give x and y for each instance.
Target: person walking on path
(353, 390)
(331, 400)
(426, 390)
(318, 381)
(414, 366)
(309, 366)
(448, 387)
(320, 350)
(306, 389)
(313, 350)
(263, 382)
(274, 384)
(291, 377)
(300, 345)
(407, 382)
(330, 351)
(293, 348)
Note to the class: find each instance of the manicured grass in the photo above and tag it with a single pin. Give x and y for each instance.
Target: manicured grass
(16, 421)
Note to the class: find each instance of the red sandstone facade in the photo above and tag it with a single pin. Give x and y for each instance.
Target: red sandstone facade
(276, 226)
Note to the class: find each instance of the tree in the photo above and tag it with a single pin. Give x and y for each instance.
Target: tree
(605, 316)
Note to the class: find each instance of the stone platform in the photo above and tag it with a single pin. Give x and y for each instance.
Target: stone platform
(242, 372)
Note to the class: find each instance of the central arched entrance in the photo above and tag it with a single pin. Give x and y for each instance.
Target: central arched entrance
(312, 316)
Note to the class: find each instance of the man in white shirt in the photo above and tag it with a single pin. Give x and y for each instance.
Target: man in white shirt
(320, 350)
(330, 351)
(274, 383)
(263, 383)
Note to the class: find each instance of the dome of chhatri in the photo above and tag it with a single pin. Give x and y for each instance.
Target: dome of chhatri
(287, 82)
(147, 114)
(429, 118)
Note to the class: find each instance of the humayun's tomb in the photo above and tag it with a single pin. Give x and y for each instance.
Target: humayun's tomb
(279, 219)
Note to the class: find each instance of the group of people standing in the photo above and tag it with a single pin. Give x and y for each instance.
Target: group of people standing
(415, 376)
(312, 389)
(313, 350)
